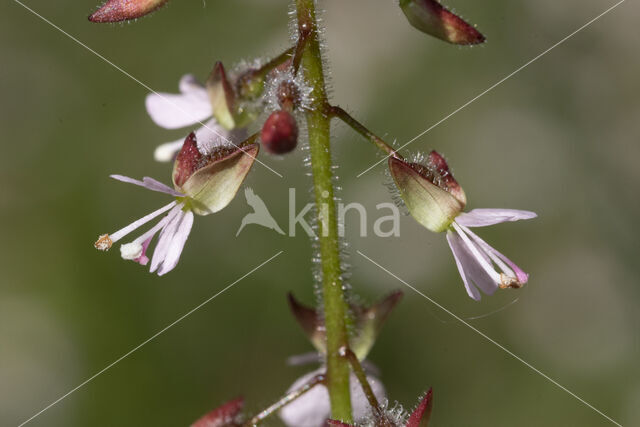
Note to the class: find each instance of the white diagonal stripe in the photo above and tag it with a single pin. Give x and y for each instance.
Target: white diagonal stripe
(491, 340)
(151, 338)
(138, 81)
(490, 88)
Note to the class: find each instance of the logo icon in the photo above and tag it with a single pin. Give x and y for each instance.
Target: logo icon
(260, 215)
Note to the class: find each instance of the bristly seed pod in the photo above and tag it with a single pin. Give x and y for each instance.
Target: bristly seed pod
(123, 10)
(430, 17)
(279, 133)
(288, 95)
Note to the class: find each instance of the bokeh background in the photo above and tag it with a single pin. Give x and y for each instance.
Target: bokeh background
(560, 138)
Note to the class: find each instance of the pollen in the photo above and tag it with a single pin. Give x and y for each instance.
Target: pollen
(507, 282)
(103, 243)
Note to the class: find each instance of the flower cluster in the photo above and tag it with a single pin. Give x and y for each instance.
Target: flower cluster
(212, 161)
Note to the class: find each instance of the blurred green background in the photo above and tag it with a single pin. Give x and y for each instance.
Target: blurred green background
(560, 138)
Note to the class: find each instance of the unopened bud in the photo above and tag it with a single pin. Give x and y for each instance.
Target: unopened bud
(122, 10)
(211, 181)
(226, 415)
(426, 194)
(279, 133)
(430, 17)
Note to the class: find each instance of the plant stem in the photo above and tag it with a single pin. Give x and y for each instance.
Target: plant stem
(341, 114)
(285, 400)
(335, 306)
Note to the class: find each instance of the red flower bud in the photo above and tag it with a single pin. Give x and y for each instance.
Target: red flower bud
(421, 415)
(432, 18)
(122, 10)
(279, 133)
(223, 416)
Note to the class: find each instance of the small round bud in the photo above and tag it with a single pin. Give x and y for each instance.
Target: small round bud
(288, 95)
(279, 133)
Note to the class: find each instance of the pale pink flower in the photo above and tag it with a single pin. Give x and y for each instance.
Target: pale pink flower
(480, 265)
(192, 106)
(174, 229)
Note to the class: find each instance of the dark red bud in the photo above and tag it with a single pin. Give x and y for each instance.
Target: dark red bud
(451, 185)
(223, 416)
(279, 133)
(421, 415)
(189, 160)
(122, 10)
(337, 423)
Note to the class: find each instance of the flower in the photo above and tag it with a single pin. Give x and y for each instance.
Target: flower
(204, 184)
(191, 106)
(313, 408)
(436, 200)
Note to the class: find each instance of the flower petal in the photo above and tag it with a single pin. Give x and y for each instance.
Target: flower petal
(484, 217)
(173, 111)
(312, 409)
(457, 248)
(166, 235)
(520, 275)
(177, 244)
(149, 184)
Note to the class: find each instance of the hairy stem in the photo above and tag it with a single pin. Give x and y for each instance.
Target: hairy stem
(362, 378)
(335, 306)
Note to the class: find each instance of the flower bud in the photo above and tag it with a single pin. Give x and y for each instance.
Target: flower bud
(222, 97)
(279, 133)
(226, 415)
(367, 323)
(421, 415)
(432, 18)
(122, 10)
(432, 199)
(211, 181)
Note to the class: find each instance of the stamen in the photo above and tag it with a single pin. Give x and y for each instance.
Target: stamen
(103, 243)
(129, 228)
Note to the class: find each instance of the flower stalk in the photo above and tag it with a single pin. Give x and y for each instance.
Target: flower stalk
(341, 114)
(335, 306)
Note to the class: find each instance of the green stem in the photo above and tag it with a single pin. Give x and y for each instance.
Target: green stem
(335, 306)
(341, 114)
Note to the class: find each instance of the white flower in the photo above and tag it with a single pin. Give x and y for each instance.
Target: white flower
(174, 230)
(190, 107)
(480, 265)
(204, 184)
(313, 408)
